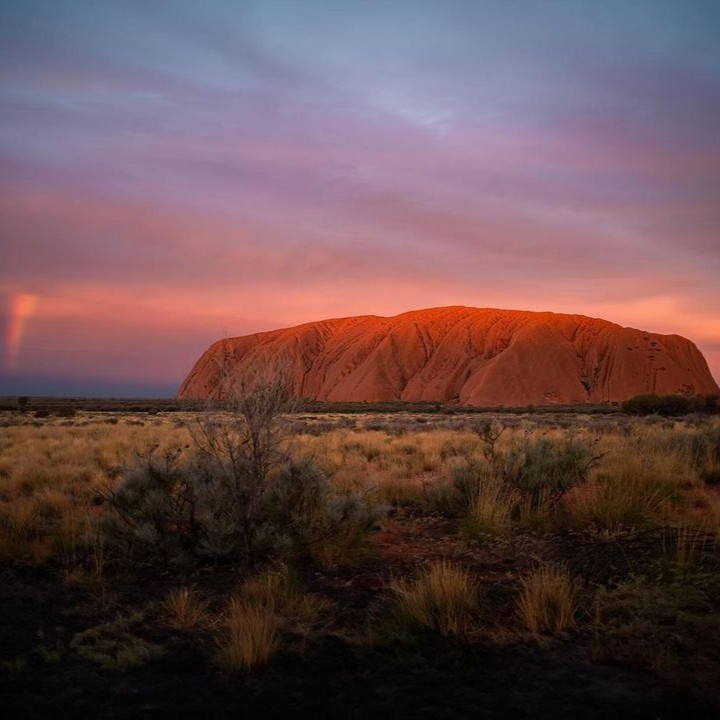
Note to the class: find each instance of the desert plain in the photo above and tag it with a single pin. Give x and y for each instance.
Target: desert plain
(435, 563)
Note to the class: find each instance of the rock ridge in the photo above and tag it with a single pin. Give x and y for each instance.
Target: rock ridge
(474, 356)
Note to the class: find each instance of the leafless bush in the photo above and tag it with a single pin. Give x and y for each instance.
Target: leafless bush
(234, 493)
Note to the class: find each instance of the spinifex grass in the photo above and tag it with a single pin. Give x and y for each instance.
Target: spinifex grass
(250, 635)
(443, 599)
(185, 609)
(490, 511)
(269, 610)
(547, 600)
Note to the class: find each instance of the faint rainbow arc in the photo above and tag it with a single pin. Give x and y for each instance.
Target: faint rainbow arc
(22, 306)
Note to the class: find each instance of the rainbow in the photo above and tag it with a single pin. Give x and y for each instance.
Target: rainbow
(22, 306)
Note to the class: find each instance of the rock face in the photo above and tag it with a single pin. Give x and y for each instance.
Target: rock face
(468, 355)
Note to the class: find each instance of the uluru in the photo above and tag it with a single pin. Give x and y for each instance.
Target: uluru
(473, 356)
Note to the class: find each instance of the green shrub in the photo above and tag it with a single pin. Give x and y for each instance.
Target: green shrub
(114, 645)
(667, 405)
(183, 506)
(158, 505)
(309, 517)
(531, 476)
(646, 404)
(235, 494)
(543, 470)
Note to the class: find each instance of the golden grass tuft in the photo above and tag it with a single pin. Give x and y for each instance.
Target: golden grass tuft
(250, 637)
(443, 598)
(186, 611)
(277, 588)
(547, 600)
(264, 608)
(491, 509)
(684, 552)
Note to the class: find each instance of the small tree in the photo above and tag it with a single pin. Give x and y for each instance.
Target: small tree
(235, 493)
(243, 441)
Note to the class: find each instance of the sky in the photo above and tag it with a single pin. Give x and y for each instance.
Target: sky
(176, 172)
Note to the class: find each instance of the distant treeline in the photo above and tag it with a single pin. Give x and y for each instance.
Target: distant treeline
(672, 405)
(668, 405)
(45, 406)
(70, 405)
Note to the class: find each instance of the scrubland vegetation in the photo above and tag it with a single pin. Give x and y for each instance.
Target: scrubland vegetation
(409, 562)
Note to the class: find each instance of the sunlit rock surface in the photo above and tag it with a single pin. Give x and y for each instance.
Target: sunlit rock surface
(468, 355)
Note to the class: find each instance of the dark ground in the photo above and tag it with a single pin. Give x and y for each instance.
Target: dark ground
(40, 675)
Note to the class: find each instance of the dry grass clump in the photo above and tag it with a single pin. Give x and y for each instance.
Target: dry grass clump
(251, 637)
(490, 511)
(185, 609)
(275, 587)
(688, 547)
(301, 612)
(547, 600)
(266, 609)
(621, 501)
(443, 599)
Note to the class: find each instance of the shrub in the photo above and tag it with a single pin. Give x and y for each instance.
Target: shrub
(235, 494)
(667, 405)
(184, 507)
(242, 448)
(156, 506)
(114, 644)
(646, 404)
(526, 479)
(309, 517)
(543, 470)
(707, 404)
